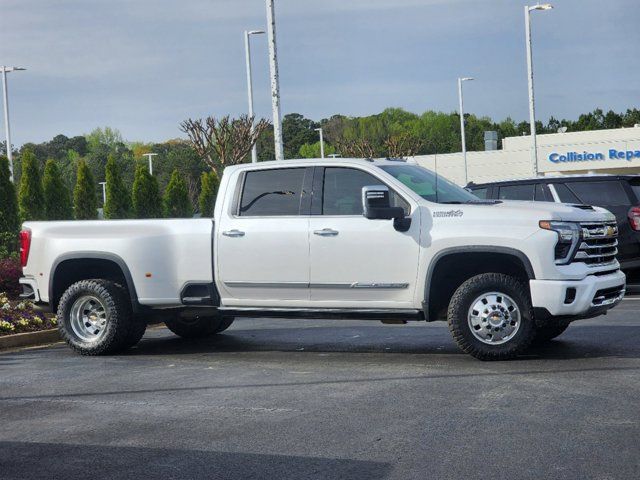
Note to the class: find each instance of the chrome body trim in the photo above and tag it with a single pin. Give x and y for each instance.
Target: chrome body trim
(337, 286)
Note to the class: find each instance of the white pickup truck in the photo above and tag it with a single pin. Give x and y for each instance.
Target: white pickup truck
(345, 238)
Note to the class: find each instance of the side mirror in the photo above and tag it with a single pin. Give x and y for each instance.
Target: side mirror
(376, 205)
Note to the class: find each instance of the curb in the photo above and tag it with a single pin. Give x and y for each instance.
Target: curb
(29, 339)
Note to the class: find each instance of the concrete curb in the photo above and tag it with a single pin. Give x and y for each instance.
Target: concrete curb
(29, 339)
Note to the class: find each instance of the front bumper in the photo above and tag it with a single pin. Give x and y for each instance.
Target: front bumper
(591, 295)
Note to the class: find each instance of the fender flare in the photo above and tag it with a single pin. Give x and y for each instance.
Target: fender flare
(471, 249)
(96, 256)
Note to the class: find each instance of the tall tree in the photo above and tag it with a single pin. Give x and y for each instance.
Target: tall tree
(30, 196)
(85, 203)
(208, 192)
(146, 195)
(118, 204)
(9, 219)
(223, 142)
(176, 201)
(57, 198)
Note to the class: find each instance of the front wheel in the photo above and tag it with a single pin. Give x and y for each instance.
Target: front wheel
(490, 316)
(198, 326)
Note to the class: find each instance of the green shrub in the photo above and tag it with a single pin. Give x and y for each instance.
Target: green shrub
(31, 196)
(85, 203)
(176, 198)
(118, 204)
(9, 219)
(208, 192)
(146, 195)
(57, 198)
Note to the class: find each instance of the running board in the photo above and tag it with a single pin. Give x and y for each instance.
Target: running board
(326, 313)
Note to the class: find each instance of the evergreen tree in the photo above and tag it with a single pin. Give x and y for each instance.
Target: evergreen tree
(146, 196)
(31, 196)
(85, 203)
(176, 198)
(9, 219)
(208, 192)
(118, 204)
(57, 198)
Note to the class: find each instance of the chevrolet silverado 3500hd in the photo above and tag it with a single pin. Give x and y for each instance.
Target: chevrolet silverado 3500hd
(344, 238)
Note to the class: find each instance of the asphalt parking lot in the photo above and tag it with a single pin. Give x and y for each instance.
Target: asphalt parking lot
(326, 399)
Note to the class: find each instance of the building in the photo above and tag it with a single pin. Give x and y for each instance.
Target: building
(599, 151)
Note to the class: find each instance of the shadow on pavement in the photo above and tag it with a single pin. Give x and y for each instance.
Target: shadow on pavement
(107, 462)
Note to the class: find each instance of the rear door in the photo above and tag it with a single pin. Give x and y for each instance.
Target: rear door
(263, 238)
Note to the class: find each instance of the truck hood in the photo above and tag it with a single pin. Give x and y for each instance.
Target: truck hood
(555, 211)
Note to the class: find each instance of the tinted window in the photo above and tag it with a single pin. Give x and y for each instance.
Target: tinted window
(542, 193)
(516, 192)
(600, 193)
(342, 193)
(272, 192)
(565, 195)
(481, 192)
(635, 185)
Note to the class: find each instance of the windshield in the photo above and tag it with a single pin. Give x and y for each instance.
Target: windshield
(429, 186)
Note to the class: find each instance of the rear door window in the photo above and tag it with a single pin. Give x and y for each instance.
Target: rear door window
(600, 193)
(516, 192)
(276, 192)
(635, 186)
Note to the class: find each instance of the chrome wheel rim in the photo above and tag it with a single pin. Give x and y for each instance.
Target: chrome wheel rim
(88, 318)
(494, 318)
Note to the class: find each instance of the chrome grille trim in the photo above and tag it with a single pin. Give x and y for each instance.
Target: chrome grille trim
(598, 244)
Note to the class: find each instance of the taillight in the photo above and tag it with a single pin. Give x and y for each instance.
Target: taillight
(634, 217)
(25, 246)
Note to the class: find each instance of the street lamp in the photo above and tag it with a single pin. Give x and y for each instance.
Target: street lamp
(464, 142)
(7, 127)
(104, 192)
(150, 157)
(319, 130)
(275, 82)
(532, 110)
(247, 49)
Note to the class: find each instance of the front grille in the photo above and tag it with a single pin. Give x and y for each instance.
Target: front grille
(598, 244)
(607, 296)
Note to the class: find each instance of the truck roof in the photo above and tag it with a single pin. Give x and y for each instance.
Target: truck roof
(305, 162)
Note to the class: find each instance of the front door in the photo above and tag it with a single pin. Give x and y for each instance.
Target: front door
(356, 262)
(263, 239)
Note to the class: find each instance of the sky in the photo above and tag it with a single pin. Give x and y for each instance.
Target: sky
(143, 66)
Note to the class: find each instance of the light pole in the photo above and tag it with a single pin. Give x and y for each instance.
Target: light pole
(7, 127)
(532, 108)
(464, 142)
(150, 157)
(319, 130)
(275, 82)
(247, 49)
(104, 192)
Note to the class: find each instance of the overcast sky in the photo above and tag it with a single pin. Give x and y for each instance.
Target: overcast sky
(142, 66)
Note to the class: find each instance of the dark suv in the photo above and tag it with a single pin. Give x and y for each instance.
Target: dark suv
(620, 194)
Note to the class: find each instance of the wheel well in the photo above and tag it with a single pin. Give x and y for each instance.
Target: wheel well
(452, 270)
(70, 271)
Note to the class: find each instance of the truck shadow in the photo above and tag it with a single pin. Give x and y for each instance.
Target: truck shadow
(108, 462)
(578, 342)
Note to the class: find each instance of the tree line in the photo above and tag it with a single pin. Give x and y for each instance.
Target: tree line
(59, 179)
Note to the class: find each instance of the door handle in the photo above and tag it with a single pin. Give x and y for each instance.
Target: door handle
(233, 233)
(326, 232)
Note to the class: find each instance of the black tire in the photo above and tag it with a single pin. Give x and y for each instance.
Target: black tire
(198, 326)
(465, 297)
(548, 332)
(136, 331)
(114, 300)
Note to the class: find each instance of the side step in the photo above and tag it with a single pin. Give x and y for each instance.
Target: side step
(400, 315)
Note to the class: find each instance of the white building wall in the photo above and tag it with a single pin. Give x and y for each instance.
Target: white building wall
(514, 161)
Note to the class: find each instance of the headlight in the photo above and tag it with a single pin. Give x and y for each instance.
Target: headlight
(568, 238)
